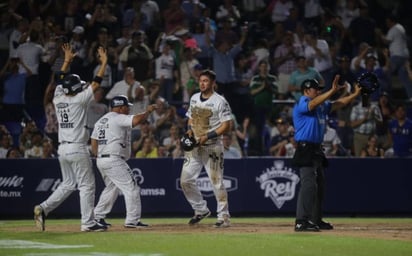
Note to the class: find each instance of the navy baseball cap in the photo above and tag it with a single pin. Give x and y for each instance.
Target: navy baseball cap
(119, 101)
(310, 83)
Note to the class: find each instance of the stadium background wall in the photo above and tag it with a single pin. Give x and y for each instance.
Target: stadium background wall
(257, 186)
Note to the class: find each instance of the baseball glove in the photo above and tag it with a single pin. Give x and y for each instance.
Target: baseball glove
(188, 143)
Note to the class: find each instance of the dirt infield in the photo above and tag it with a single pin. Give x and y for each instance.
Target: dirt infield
(378, 230)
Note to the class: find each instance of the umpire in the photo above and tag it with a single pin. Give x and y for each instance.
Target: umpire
(309, 119)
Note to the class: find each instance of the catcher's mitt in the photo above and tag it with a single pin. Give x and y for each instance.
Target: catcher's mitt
(187, 143)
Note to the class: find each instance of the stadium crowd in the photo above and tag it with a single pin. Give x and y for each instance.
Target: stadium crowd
(260, 50)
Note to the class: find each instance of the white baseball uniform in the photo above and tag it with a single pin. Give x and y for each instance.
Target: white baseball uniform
(113, 132)
(206, 116)
(74, 157)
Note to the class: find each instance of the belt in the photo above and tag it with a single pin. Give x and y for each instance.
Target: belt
(304, 143)
(108, 155)
(66, 142)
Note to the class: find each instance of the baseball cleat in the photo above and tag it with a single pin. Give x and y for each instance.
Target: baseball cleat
(137, 225)
(225, 223)
(325, 225)
(95, 228)
(39, 217)
(103, 223)
(306, 226)
(198, 217)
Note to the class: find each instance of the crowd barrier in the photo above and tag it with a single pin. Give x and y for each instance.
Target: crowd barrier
(256, 186)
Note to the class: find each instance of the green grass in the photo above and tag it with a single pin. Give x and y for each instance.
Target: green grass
(204, 242)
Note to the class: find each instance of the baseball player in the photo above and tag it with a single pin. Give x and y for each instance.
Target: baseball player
(111, 144)
(209, 117)
(71, 99)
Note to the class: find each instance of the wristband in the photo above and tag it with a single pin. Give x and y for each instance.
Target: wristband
(189, 127)
(211, 135)
(97, 79)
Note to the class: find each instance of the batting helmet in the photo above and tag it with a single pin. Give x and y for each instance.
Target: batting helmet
(72, 84)
(368, 82)
(187, 143)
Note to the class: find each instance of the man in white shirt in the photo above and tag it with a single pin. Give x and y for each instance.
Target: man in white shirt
(122, 87)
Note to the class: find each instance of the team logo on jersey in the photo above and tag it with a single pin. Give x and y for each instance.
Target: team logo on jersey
(62, 105)
(279, 183)
(206, 187)
(104, 120)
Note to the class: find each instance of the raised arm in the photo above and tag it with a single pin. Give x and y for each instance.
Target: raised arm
(102, 55)
(68, 57)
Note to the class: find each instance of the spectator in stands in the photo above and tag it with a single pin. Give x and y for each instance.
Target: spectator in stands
(225, 33)
(230, 152)
(122, 87)
(170, 142)
(30, 54)
(223, 56)
(18, 36)
(396, 39)
(189, 74)
(372, 149)
(192, 9)
(173, 16)
(242, 102)
(96, 109)
(280, 11)
(25, 138)
(149, 148)
(13, 153)
(288, 150)
(36, 149)
(284, 59)
(167, 72)
(13, 88)
(51, 127)
(382, 129)
(48, 149)
(228, 10)
(331, 141)
(303, 71)
(318, 56)
(145, 130)
(281, 139)
(400, 131)
(347, 10)
(362, 28)
(139, 56)
(408, 88)
(6, 143)
(363, 121)
(263, 88)
(163, 118)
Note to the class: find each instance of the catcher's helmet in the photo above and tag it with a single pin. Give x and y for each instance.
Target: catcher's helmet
(72, 84)
(187, 143)
(368, 82)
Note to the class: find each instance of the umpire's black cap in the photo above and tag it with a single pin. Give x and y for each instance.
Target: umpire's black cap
(119, 101)
(310, 83)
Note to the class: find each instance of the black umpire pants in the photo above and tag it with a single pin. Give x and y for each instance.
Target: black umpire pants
(311, 193)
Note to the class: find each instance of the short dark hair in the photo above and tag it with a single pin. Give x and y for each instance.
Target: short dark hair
(209, 73)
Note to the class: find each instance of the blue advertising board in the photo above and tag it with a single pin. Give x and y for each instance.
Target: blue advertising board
(264, 186)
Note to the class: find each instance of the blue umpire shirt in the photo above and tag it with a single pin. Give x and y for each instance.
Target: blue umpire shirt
(310, 126)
